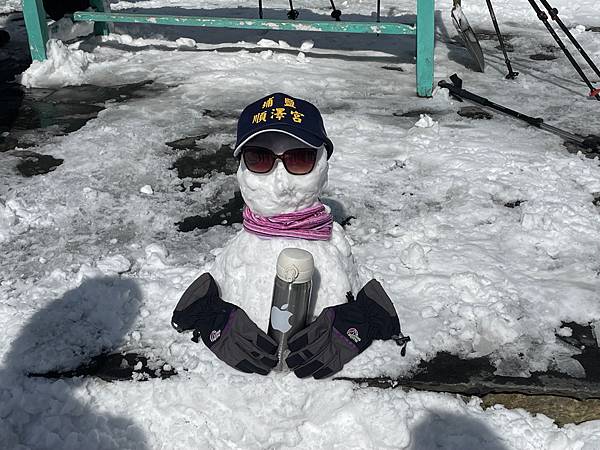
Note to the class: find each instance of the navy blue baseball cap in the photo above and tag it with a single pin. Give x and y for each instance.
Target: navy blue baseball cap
(285, 114)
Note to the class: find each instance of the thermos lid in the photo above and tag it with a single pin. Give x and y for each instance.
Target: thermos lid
(295, 265)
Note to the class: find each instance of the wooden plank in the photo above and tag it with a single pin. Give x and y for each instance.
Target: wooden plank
(253, 24)
(37, 28)
(425, 47)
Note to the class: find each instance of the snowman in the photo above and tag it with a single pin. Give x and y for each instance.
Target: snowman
(283, 151)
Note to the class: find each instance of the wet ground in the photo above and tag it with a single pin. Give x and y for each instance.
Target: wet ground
(195, 162)
(116, 367)
(543, 57)
(563, 410)
(30, 117)
(33, 116)
(474, 112)
(561, 397)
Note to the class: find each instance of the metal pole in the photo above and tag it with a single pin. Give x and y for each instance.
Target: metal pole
(292, 13)
(554, 15)
(544, 18)
(511, 74)
(37, 28)
(336, 13)
(425, 46)
(456, 89)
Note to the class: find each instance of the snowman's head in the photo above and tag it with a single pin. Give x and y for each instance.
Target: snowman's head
(283, 150)
(278, 191)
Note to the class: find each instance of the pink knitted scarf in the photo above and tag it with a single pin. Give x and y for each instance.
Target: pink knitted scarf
(313, 223)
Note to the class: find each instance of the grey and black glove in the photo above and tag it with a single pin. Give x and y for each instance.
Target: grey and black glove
(224, 328)
(343, 331)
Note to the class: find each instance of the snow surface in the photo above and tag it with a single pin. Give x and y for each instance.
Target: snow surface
(93, 263)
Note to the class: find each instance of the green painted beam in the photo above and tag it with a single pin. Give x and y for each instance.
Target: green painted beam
(425, 47)
(37, 28)
(101, 28)
(254, 24)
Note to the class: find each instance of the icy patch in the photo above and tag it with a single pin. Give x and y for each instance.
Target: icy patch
(156, 257)
(114, 264)
(185, 43)
(307, 45)
(267, 54)
(267, 43)
(425, 122)
(564, 331)
(65, 66)
(413, 257)
(147, 189)
(8, 219)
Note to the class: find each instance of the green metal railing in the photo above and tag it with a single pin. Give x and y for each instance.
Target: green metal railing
(37, 29)
(249, 24)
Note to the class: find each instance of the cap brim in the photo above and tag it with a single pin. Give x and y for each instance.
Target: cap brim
(306, 138)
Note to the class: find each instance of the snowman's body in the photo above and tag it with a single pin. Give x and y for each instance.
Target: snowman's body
(245, 271)
(245, 268)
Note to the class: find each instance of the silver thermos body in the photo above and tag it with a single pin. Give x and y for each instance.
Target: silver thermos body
(291, 298)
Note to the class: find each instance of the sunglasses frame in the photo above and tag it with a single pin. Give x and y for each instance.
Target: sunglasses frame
(280, 157)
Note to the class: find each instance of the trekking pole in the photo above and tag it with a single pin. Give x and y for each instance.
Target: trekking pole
(591, 142)
(260, 9)
(336, 13)
(544, 18)
(292, 13)
(554, 16)
(511, 75)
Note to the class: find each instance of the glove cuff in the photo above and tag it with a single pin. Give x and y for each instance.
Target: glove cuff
(380, 311)
(200, 302)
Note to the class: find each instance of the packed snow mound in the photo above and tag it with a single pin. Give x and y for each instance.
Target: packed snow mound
(66, 65)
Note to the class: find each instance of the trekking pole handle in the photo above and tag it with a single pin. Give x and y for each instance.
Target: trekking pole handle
(461, 93)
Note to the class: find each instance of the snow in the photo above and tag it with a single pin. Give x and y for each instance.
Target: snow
(425, 122)
(307, 45)
(279, 192)
(7, 6)
(251, 284)
(65, 66)
(146, 189)
(91, 263)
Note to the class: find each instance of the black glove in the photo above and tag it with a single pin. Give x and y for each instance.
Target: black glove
(224, 328)
(343, 331)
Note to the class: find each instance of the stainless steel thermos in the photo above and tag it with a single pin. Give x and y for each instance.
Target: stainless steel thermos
(291, 298)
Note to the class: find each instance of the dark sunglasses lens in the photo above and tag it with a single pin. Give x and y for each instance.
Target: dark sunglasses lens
(258, 159)
(300, 161)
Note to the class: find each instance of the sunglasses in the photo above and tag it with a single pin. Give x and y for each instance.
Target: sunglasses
(297, 161)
